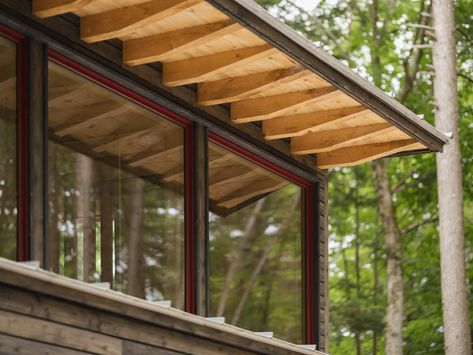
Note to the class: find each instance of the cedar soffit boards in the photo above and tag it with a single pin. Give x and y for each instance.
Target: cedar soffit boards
(239, 55)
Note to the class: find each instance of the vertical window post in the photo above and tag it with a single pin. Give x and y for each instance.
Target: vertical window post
(37, 125)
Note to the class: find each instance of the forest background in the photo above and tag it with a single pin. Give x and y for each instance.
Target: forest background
(389, 43)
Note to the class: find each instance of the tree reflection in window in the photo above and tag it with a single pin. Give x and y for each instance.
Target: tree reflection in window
(255, 246)
(115, 190)
(8, 144)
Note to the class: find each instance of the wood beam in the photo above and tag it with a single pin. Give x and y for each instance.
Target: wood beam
(351, 156)
(60, 94)
(228, 178)
(122, 21)
(298, 125)
(122, 138)
(91, 116)
(278, 105)
(49, 8)
(177, 173)
(243, 87)
(164, 45)
(204, 68)
(330, 140)
(8, 82)
(146, 157)
(256, 188)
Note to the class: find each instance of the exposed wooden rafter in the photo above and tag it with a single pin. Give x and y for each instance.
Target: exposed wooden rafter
(48, 8)
(268, 107)
(255, 188)
(162, 46)
(299, 93)
(204, 68)
(91, 116)
(64, 93)
(243, 87)
(7, 82)
(158, 154)
(298, 125)
(123, 138)
(330, 140)
(121, 21)
(350, 156)
(234, 178)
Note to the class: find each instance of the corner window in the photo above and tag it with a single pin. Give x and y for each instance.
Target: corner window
(115, 190)
(255, 246)
(8, 150)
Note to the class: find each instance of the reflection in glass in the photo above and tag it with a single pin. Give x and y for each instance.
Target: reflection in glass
(8, 161)
(115, 189)
(255, 246)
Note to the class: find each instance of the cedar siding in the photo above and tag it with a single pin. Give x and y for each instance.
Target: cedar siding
(41, 312)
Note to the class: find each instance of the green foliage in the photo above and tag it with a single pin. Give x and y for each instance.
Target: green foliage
(376, 40)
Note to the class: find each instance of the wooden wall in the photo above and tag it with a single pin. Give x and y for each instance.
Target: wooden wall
(43, 313)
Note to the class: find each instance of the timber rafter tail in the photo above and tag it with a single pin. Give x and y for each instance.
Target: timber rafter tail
(238, 55)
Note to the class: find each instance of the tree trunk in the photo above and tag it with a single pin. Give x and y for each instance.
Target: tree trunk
(85, 210)
(54, 188)
(261, 263)
(357, 264)
(106, 226)
(235, 263)
(450, 191)
(392, 238)
(251, 281)
(135, 239)
(375, 288)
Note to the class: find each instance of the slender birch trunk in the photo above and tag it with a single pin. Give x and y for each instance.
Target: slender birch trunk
(392, 237)
(450, 190)
(235, 264)
(135, 270)
(85, 211)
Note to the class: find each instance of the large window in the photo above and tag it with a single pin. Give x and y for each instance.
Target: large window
(255, 246)
(8, 152)
(119, 203)
(115, 190)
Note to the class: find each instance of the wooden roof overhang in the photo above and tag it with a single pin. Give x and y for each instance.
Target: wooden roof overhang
(239, 55)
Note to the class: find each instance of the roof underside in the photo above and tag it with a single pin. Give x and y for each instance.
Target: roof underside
(239, 55)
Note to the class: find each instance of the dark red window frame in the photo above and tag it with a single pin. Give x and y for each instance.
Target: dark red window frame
(310, 326)
(189, 240)
(23, 242)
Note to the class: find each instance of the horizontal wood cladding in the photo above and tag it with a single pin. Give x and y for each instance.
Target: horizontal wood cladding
(230, 61)
(63, 314)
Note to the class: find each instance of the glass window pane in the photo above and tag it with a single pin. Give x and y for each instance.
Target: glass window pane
(255, 246)
(8, 161)
(116, 205)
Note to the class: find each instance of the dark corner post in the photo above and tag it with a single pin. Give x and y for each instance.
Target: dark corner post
(321, 262)
(36, 115)
(200, 157)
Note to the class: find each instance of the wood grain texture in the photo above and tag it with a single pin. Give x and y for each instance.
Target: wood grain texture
(163, 46)
(268, 107)
(243, 87)
(359, 154)
(61, 335)
(48, 8)
(298, 125)
(111, 315)
(119, 22)
(204, 68)
(13, 345)
(330, 140)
